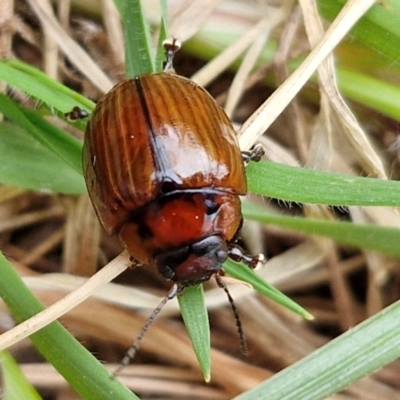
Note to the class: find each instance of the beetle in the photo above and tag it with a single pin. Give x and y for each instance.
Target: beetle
(164, 172)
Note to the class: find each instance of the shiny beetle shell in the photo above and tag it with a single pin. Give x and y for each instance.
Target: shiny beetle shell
(164, 172)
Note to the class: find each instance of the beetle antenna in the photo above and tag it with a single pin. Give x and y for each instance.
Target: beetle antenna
(171, 46)
(243, 343)
(131, 352)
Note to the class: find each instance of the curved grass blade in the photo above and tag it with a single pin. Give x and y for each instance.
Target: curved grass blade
(39, 85)
(353, 355)
(60, 143)
(368, 236)
(14, 384)
(246, 274)
(194, 314)
(26, 163)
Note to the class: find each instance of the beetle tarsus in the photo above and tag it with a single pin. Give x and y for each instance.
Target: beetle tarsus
(254, 154)
(171, 46)
(237, 255)
(76, 113)
(134, 262)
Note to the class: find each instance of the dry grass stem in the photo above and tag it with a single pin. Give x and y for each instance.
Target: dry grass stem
(43, 248)
(342, 113)
(111, 293)
(259, 122)
(293, 113)
(82, 238)
(149, 380)
(188, 16)
(237, 87)
(50, 314)
(71, 49)
(112, 22)
(220, 63)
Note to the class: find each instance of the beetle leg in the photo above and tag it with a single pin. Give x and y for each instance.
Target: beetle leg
(134, 262)
(76, 113)
(171, 46)
(236, 254)
(255, 154)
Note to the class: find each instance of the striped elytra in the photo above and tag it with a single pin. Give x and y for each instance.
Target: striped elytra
(164, 173)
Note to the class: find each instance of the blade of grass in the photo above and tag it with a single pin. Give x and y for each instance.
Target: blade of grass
(372, 92)
(138, 46)
(194, 314)
(379, 28)
(319, 187)
(160, 55)
(86, 375)
(14, 384)
(28, 164)
(246, 274)
(32, 325)
(39, 85)
(357, 353)
(63, 145)
(373, 237)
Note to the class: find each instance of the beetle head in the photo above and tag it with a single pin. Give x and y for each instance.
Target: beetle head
(193, 264)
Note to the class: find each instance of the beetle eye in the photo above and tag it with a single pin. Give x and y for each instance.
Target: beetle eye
(168, 186)
(212, 207)
(221, 256)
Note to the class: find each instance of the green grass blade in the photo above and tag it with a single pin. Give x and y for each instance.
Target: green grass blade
(353, 355)
(39, 85)
(319, 187)
(195, 317)
(86, 375)
(373, 237)
(60, 143)
(374, 93)
(28, 164)
(160, 55)
(246, 274)
(379, 28)
(14, 384)
(138, 46)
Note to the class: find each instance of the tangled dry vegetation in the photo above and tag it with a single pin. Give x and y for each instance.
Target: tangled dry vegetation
(55, 241)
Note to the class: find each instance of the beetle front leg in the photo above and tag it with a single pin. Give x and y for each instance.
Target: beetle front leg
(254, 154)
(236, 254)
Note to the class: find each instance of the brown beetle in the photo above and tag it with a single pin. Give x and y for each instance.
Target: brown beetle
(164, 172)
